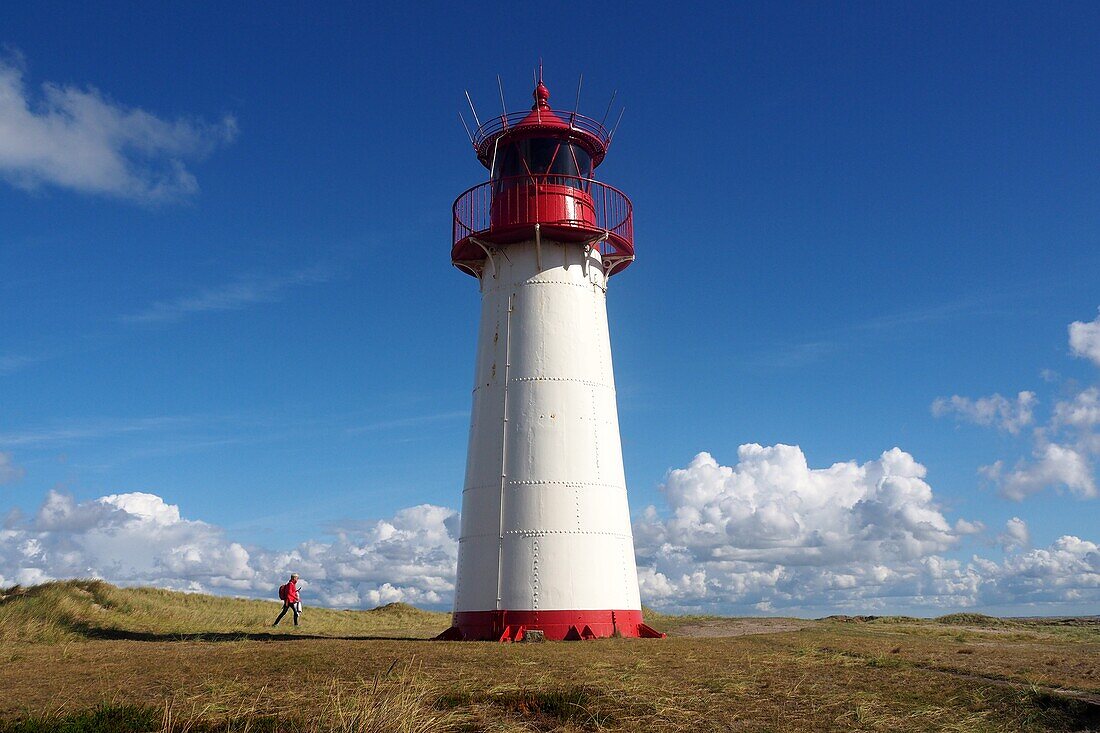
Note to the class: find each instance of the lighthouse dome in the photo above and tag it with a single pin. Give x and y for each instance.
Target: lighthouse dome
(542, 122)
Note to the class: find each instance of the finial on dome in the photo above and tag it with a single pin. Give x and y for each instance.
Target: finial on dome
(541, 96)
(541, 93)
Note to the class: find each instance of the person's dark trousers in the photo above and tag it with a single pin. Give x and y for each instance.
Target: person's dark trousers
(286, 607)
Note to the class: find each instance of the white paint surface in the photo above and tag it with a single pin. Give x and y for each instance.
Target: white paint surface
(545, 522)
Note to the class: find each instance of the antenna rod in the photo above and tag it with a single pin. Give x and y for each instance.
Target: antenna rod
(493, 165)
(538, 80)
(472, 108)
(605, 114)
(468, 133)
(577, 106)
(503, 106)
(616, 127)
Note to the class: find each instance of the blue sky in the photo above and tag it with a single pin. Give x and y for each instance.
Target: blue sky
(226, 279)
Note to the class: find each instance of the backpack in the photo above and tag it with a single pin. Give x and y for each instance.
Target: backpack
(282, 592)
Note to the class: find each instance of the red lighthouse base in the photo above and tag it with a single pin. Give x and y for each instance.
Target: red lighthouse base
(555, 625)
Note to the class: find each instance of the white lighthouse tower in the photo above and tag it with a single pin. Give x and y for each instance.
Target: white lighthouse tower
(546, 541)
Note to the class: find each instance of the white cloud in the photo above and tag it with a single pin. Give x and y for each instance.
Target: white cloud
(9, 472)
(1062, 456)
(771, 529)
(1016, 534)
(79, 139)
(144, 507)
(68, 431)
(1067, 571)
(995, 410)
(772, 533)
(772, 507)
(1082, 412)
(231, 296)
(860, 538)
(965, 527)
(138, 538)
(1053, 466)
(1084, 339)
(1064, 448)
(131, 538)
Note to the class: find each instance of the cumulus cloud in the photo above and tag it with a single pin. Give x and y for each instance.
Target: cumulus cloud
(1016, 534)
(126, 538)
(965, 527)
(773, 507)
(857, 538)
(138, 538)
(1082, 411)
(772, 530)
(1084, 339)
(1061, 458)
(1052, 465)
(1005, 414)
(1063, 448)
(769, 533)
(1067, 571)
(79, 139)
(9, 472)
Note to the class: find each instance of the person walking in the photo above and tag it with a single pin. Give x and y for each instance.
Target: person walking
(291, 599)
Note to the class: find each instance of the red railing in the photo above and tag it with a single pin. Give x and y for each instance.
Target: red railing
(500, 123)
(497, 209)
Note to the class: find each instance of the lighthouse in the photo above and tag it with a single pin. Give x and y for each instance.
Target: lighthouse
(546, 542)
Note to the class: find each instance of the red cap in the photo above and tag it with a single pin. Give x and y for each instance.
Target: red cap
(587, 132)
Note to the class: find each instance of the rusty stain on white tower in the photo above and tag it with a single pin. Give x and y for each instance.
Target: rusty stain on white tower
(546, 542)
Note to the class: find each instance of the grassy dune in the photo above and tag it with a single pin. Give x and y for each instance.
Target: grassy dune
(85, 656)
(82, 609)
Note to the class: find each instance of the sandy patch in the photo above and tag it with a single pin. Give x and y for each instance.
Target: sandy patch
(739, 627)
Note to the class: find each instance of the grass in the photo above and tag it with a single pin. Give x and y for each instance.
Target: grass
(386, 703)
(81, 609)
(974, 619)
(91, 657)
(104, 718)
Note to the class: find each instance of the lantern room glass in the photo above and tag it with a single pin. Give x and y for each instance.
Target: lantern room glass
(553, 161)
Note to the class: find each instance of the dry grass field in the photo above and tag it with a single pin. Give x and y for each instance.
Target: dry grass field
(86, 656)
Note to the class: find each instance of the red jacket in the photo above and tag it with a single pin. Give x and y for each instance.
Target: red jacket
(292, 592)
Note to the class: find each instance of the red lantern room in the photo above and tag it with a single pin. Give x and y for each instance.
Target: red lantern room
(541, 184)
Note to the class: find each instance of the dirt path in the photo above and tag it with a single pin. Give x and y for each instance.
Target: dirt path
(1086, 696)
(1090, 698)
(720, 628)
